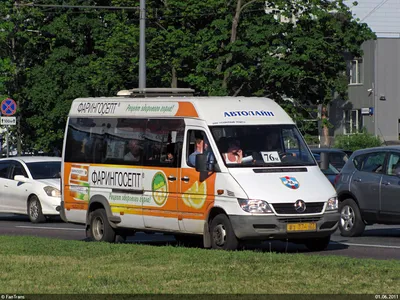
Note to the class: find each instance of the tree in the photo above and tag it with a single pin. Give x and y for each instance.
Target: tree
(92, 53)
(20, 49)
(286, 50)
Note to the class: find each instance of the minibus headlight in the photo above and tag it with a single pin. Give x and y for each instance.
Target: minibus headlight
(52, 192)
(255, 206)
(333, 204)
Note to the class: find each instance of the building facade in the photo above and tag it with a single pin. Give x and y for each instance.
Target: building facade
(374, 79)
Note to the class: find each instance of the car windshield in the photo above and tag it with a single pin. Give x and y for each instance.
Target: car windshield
(45, 169)
(262, 145)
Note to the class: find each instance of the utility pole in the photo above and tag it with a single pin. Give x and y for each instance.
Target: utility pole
(142, 45)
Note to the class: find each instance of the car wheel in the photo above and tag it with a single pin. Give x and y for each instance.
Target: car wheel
(351, 222)
(317, 244)
(35, 210)
(222, 235)
(100, 229)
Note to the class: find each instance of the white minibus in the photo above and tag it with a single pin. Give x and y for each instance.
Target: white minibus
(225, 170)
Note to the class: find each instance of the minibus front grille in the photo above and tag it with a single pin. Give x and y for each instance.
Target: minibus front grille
(289, 208)
(299, 220)
(280, 170)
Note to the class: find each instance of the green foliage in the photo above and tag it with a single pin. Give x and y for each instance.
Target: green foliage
(357, 141)
(49, 56)
(311, 139)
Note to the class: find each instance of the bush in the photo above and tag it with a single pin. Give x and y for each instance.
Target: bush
(357, 141)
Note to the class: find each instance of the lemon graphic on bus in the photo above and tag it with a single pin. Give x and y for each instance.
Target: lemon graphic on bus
(159, 188)
(196, 195)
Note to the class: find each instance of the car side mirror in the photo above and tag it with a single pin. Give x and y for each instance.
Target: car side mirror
(201, 162)
(21, 178)
(203, 165)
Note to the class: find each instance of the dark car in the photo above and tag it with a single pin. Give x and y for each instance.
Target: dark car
(368, 189)
(348, 152)
(336, 157)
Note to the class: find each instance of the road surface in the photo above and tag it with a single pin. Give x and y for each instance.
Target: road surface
(378, 241)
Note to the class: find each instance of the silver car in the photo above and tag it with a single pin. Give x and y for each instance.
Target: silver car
(368, 189)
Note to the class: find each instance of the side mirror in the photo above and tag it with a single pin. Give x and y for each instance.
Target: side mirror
(201, 162)
(324, 161)
(21, 178)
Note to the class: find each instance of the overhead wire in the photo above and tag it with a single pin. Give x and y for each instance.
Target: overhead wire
(375, 9)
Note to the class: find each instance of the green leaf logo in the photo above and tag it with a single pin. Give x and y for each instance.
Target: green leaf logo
(159, 188)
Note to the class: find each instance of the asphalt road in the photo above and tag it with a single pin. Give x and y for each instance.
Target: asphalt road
(378, 241)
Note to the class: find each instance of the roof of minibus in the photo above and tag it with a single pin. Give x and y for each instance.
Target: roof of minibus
(213, 110)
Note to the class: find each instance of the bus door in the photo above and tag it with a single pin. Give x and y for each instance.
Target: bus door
(197, 189)
(162, 159)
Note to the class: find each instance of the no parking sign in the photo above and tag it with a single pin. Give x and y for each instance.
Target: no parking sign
(8, 107)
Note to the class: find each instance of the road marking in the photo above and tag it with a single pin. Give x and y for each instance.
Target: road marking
(56, 228)
(367, 245)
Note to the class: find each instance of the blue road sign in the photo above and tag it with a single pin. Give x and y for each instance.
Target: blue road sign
(8, 107)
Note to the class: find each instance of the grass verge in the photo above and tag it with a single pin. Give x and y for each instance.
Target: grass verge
(34, 265)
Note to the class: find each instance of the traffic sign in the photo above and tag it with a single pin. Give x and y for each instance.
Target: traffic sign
(8, 107)
(8, 121)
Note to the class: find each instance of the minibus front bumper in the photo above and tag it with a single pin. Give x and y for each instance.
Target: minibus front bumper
(263, 227)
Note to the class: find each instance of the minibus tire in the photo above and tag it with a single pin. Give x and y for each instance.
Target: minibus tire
(317, 244)
(222, 235)
(100, 229)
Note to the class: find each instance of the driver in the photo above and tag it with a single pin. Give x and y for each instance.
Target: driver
(274, 143)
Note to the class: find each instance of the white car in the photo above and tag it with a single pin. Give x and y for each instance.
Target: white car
(30, 185)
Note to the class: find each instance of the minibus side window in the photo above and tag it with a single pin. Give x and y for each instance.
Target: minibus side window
(105, 140)
(79, 140)
(163, 143)
(131, 131)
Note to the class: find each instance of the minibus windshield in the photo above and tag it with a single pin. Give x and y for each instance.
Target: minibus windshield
(262, 146)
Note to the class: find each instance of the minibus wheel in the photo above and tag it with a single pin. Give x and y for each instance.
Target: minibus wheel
(100, 229)
(222, 235)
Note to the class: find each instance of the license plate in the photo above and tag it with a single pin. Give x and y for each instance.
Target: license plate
(301, 227)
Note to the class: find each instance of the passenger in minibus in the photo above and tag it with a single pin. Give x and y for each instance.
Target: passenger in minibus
(169, 156)
(234, 154)
(134, 151)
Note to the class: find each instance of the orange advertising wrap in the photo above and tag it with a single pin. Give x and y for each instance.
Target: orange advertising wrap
(140, 190)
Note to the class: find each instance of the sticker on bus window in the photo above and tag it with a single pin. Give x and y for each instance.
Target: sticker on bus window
(271, 157)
